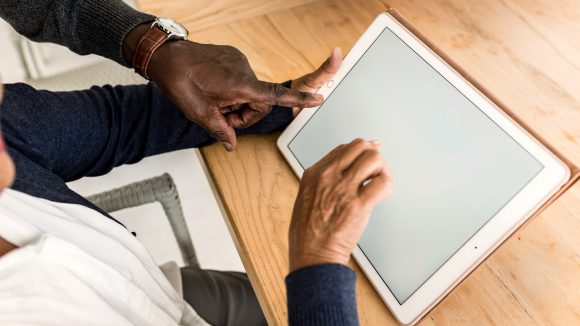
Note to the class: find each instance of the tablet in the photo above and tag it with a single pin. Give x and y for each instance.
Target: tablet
(465, 175)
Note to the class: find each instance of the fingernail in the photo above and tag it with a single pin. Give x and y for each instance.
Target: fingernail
(376, 142)
(228, 146)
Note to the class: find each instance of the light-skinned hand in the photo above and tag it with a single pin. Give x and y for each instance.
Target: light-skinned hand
(334, 203)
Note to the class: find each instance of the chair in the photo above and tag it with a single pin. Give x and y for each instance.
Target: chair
(161, 189)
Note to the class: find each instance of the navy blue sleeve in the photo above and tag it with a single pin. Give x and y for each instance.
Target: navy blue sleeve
(322, 295)
(88, 133)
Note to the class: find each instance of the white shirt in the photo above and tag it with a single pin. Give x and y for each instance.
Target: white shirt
(76, 266)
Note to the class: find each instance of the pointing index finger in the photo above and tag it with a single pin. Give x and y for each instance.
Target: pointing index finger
(278, 94)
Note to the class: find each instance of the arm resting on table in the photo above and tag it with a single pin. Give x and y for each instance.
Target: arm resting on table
(322, 295)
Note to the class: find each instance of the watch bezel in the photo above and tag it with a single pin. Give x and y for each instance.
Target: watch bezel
(173, 29)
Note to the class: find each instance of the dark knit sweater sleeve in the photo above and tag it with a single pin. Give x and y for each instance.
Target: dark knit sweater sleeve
(322, 295)
(84, 26)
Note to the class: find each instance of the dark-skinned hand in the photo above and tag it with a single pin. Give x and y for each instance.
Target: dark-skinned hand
(308, 83)
(209, 82)
(313, 81)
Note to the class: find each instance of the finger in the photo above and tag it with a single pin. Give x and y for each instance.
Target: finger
(248, 115)
(377, 189)
(352, 151)
(368, 164)
(313, 81)
(348, 152)
(277, 94)
(230, 108)
(218, 127)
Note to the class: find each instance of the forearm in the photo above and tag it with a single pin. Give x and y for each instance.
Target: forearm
(322, 295)
(88, 133)
(84, 26)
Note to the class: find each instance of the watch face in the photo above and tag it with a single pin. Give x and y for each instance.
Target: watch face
(173, 27)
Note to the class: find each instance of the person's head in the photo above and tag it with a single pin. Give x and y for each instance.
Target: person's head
(6, 165)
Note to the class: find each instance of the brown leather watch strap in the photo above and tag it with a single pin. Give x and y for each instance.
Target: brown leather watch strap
(152, 40)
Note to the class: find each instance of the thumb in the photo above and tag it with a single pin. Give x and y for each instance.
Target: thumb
(276, 94)
(218, 128)
(313, 81)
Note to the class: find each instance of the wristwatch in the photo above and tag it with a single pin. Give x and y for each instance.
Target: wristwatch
(162, 30)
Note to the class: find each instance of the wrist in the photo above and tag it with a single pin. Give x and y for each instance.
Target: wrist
(166, 57)
(131, 41)
(312, 258)
(162, 55)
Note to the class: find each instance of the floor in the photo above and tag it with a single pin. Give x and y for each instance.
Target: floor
(212, 241)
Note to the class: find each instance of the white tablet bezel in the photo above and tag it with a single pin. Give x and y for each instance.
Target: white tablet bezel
(554, 175)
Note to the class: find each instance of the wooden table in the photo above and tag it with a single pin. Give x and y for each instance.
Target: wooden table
(526, 52)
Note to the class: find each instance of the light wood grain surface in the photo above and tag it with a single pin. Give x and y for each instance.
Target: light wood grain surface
(526, 52)
(199, 15)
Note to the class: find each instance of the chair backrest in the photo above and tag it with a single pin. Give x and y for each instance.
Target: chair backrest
(160, 189)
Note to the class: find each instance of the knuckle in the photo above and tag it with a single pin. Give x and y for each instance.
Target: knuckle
(233, 50)
(277, 89)
(246, 88)
(357, 141)
(217, 132)
(229, 48)
(336, 150)
(352, 207)
(303, 96)
(341, 149)
(325, 68)
(327, 174)
(359, 144)
(242, 124)
(375, 155)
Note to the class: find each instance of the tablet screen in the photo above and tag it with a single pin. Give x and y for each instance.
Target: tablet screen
(453, 167)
